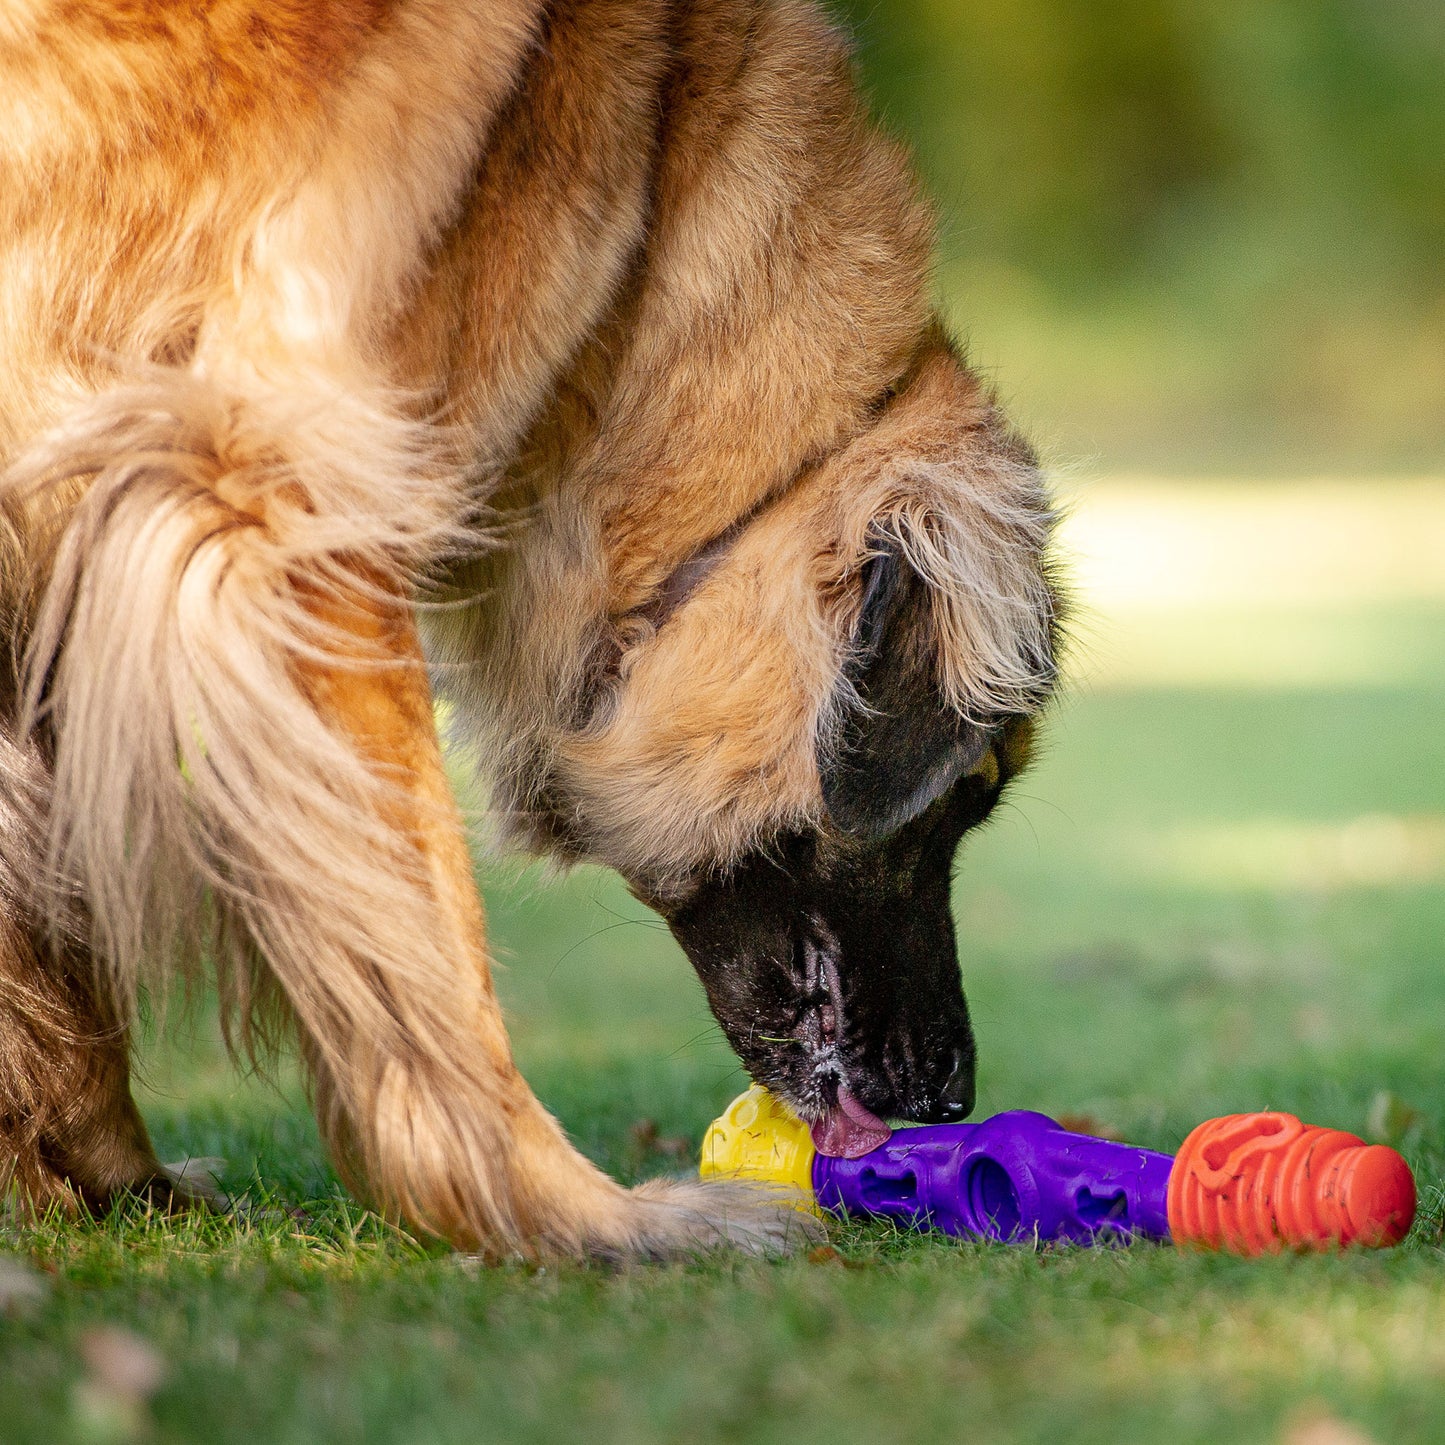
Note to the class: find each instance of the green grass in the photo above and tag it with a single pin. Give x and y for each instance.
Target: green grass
(1223, 888)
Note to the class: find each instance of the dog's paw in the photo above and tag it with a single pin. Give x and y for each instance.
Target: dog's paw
(196, 1183)
(671, 1219)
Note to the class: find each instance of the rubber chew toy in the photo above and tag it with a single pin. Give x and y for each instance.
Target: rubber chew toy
(1248, 1183)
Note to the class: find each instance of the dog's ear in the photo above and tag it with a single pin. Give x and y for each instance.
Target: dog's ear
(898, 745)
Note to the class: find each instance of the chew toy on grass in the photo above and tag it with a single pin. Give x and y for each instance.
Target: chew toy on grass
(1248, 1183)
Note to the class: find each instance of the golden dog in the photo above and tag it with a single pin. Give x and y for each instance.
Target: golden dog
(593, 336)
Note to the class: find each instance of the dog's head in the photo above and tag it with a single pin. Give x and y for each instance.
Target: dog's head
(782, 748)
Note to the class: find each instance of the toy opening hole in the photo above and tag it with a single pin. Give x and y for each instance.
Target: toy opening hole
(1102, 1211)
(883, 1193)
(1216, 1155)
(992, 1199)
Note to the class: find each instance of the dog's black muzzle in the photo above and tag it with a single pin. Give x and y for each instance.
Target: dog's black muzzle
(837, 976)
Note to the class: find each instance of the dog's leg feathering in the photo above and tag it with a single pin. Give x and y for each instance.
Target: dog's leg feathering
(437, 1116)
(245, 759)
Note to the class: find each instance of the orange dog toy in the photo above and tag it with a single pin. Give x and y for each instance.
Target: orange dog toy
(1257, 1183)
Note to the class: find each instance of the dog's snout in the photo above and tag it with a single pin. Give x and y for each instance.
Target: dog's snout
(955, 1099)
(840, 985)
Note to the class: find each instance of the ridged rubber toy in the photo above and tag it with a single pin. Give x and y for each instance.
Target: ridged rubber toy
(1256, 1183)
(1249, 1183)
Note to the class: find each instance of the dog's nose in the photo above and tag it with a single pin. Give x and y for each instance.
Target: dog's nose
(955, 1099)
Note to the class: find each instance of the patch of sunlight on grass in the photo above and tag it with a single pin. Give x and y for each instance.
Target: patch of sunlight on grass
(1376, 850)
(1139, 543)
(1285, 648)
(1260, 584)
(1362, 1339)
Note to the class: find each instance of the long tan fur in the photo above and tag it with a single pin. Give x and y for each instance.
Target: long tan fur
(314, 315)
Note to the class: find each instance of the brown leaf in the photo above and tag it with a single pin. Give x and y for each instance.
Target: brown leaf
(1088, 1124)
(644, 1138)
(122, 1362)
(826, 1254)
(643, 1135)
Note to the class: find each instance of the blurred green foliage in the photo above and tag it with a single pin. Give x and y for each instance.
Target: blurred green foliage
(1183, 234)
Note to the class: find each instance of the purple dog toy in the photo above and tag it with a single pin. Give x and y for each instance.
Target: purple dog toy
(1017, 1175)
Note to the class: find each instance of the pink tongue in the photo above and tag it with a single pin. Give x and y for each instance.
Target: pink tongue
(849, 1131)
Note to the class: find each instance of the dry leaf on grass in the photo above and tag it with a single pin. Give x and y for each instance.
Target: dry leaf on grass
(1088, 1124)
(645, 1138)
(1390, 1119)
(199, 1180)
(826, 1254)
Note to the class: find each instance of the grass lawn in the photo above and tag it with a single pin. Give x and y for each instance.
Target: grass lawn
(1222, 889)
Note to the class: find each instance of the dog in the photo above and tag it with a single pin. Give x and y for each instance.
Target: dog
(591, 342)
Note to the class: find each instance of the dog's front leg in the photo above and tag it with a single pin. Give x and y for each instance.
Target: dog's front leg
(421, 1113)
(415, 1084)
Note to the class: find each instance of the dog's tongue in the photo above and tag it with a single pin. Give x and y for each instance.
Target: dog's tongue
(849, 1131)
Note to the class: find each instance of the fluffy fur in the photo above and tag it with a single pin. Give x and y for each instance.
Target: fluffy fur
(312, 315)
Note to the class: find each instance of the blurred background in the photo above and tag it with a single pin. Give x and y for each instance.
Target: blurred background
(1187, 236)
